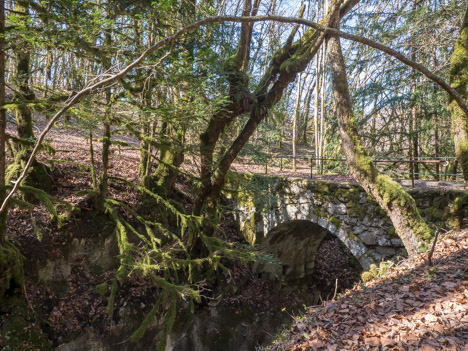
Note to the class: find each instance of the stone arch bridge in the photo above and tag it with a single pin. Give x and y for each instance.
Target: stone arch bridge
(266, 206)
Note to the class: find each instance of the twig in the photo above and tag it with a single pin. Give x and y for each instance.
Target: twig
(336, 289)
(429, 257)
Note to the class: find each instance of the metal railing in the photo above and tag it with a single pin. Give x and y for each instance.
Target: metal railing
(321, 165)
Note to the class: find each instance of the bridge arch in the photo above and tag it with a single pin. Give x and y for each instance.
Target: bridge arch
(295, 245)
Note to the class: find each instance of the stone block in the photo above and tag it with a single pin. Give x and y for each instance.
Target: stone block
(323, 222)
(368, 238)
(386, 252)
(396, 242)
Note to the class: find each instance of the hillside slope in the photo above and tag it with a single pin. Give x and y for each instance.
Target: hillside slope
(411, 307)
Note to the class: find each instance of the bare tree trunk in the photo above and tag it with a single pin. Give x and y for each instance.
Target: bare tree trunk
(459, 81)
(397, 203)
(322, 107)
(3, 215)
(106, 137)
(436, 123)
(316, 108)
(296, 113)
(414, 135)
(106, 143)
(305, 119)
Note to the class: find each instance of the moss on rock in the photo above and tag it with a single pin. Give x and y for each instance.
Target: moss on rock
(20, 332)
(335, 221)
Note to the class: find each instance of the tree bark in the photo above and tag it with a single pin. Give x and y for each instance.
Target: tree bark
(3, 215)
(459, 81)
(172, 156)
(397, 203)
(11, 260)
(295, 117)
(240, 103)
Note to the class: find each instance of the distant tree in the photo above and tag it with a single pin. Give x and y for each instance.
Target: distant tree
(23, 96)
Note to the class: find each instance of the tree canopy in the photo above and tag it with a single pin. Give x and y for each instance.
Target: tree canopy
(196, 88)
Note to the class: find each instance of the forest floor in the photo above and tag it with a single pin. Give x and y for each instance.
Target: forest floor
(411, 307)
(75, 299)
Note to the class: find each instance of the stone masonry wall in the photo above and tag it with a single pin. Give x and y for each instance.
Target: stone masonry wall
(260, 203)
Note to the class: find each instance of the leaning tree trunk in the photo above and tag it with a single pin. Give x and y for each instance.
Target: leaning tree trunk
(397, 203)
(286, 63)
(459, 81)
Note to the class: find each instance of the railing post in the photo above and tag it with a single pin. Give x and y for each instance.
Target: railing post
(412, 171)
(266, 165)
(281, 163)
(311, 168)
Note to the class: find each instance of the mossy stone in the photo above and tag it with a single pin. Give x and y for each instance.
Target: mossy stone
(20, 332)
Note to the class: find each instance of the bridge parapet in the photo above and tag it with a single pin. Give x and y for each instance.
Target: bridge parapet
(261, 203)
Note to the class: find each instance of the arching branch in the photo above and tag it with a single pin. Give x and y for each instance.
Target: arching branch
(219, 19)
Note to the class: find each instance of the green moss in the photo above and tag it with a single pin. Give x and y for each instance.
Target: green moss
(367, 276)
(342, 195)
(434, 214)
(250, 229)
(37, 176)
(358, 210)
(335, 221)
(384, 268)
(393, 194)
(101, 289)
(318, 212)
(459, 81)
(322, 187)
(371, 256)
(290, 65)
(333, 188)
(392, 233)
(11, 268)
(441, 202)
(380, 212)
(459, 204)
(352, 236)
(374, 271)
(20, 331)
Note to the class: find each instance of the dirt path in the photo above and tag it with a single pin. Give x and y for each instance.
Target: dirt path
(73, 145)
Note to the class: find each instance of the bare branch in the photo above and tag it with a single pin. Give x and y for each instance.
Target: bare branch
(219, 19)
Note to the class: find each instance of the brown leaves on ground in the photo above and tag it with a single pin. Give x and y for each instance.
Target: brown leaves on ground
(416, 307)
